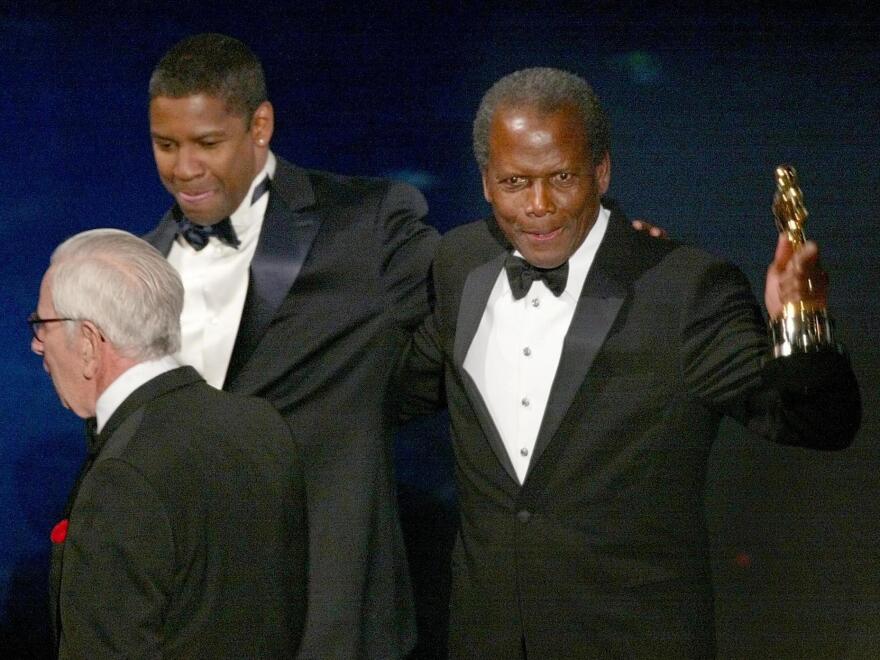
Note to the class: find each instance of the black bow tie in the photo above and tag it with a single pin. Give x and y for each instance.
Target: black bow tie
(198, 235)
(521, 274)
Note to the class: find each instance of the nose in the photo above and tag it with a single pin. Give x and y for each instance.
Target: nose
(37, 346)
(187, 164)
(540, 201)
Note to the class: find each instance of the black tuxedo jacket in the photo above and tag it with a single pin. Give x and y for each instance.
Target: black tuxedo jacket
(602, 551)
(336, 284)
(187, 531)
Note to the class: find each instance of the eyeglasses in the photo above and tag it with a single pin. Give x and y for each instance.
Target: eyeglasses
(36, 323)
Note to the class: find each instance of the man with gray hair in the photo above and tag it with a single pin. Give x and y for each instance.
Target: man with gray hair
(586, 367)
(185, 534)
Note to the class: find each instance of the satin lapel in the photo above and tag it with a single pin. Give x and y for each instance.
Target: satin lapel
(285, 241)
(474, 297)
(163, 235)
(604, 292)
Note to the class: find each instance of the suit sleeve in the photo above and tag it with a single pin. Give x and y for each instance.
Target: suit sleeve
(117, 567)
(420, 384)
(810, 400)
(407, 251)
(419, 380)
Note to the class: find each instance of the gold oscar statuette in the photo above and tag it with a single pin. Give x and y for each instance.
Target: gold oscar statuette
(803, 327)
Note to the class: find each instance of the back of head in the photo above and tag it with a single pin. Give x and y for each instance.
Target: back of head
(212, 64)
(124, 286)
(547, 90)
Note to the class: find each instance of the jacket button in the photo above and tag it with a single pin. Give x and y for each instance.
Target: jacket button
(523, 516)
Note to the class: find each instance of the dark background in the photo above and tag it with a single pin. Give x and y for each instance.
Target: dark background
(704, 103)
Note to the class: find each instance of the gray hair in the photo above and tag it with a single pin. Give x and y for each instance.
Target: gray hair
(122, 285)
(548, 90)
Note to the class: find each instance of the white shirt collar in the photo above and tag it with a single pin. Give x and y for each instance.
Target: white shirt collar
(241, 217)
(126, 383)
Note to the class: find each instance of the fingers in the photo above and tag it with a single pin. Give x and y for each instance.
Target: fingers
(783, 254)
(807, 257)
(803, 278)
(648, 228)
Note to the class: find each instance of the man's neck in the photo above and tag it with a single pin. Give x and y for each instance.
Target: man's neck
(112, 367)
(127, 381)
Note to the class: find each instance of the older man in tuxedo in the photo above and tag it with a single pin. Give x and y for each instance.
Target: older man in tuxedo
(185, 535)
(301, 287)
(586, 368)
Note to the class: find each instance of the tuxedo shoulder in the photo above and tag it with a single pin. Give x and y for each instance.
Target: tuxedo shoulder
(476, 229)
(694, 258)
(677, 267)
(473, 241)
(691, 271)
(198, 420)
(218, 410)
(341, 188)
(674, 253)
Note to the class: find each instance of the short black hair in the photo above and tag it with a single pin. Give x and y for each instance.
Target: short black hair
(212, 64)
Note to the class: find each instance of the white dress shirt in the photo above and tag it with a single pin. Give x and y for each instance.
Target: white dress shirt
(215, 282)
(121, 388)
(515, 352)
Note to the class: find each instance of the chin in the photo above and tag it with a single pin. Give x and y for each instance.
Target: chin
(549, 255)
(199, 217)
(545, 261)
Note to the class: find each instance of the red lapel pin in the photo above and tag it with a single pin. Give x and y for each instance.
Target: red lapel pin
(59, 532)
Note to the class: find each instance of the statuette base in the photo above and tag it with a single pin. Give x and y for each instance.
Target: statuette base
(802, 331)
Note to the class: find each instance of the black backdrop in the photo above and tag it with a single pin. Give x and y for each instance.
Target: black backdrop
(703, 104)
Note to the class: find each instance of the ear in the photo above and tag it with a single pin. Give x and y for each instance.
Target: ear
(263, 124)
(603, 173)
(91, 347)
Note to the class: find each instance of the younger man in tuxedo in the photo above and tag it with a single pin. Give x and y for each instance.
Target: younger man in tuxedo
(185, 535)
(586, 368)
(301, 287)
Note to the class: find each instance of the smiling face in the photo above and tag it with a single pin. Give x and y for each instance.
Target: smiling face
(63, 357)
(207, 156)
(541, 182)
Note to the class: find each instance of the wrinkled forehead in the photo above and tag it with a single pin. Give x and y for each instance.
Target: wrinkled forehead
(528, 129)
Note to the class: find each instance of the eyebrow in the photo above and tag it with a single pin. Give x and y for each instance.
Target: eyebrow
(200, 136)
